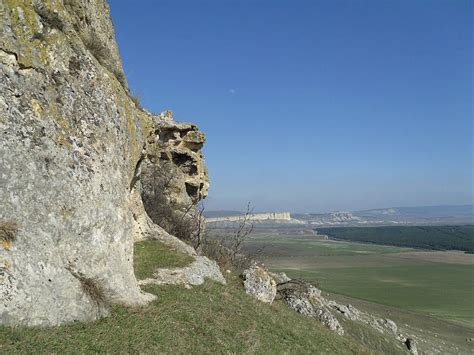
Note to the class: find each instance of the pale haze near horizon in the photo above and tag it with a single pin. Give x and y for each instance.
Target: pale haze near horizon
(313, 106)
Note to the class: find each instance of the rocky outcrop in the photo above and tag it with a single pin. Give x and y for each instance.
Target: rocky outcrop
(382, 325)
(259, 283)
(174, 177)
(74, 147)
(306, 299)
(195, 274)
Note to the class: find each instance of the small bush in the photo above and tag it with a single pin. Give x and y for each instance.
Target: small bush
(123, 81)
(102, 53)
(8, 231)
(49, 18)
(228, 251)
(158, 186)
(96, 47)
(38, 36)
(225, 257)
(136, 101)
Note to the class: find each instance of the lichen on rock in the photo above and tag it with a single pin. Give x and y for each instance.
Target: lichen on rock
(259, 283)
(72, 144)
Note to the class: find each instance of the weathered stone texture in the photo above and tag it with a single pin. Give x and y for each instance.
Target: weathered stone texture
(71, 143)
(259, 283)
(195, 274)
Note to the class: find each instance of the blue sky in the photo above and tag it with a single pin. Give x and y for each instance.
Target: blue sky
(313, 106)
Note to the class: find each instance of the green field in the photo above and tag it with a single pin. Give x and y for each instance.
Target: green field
(378, 273)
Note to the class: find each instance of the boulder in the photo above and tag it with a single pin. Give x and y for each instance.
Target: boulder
(195, 274)
(259, 283)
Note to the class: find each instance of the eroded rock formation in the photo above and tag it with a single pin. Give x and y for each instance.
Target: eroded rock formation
(74, 146)
(259, 283)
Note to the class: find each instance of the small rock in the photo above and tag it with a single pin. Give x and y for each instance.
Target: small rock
(411, 346)
(390, 325)
(327, 319)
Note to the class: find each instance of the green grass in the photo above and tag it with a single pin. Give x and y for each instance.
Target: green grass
(310, 246)
(375, 273)
(211, 318)
(151, 254)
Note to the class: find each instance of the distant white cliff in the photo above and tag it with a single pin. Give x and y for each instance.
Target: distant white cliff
(270, 216)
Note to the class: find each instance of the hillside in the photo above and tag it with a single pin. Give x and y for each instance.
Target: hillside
(205, 319)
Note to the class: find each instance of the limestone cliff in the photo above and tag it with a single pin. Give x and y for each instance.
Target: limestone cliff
(73, 147)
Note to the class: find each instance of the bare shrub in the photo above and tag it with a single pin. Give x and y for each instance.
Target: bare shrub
(96, 47)
(227, 251)
(134, 98)
(38, 36)
(244, 228)
(158, 186)
(8, 231)
(120, 76)
(102, 53)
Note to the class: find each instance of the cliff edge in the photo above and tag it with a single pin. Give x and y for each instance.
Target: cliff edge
(73, 145)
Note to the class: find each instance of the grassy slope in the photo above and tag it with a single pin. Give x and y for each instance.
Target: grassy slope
(206, 319)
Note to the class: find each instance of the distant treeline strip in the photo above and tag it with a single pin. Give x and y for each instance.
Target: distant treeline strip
(426, 237)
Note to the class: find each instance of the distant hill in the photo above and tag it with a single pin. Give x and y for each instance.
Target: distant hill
(423, 211)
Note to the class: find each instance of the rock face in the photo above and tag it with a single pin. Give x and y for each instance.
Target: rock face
(174, 177)
(259, 283)
(73, 145)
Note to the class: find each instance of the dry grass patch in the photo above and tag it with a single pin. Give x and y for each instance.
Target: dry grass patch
(8, 232)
